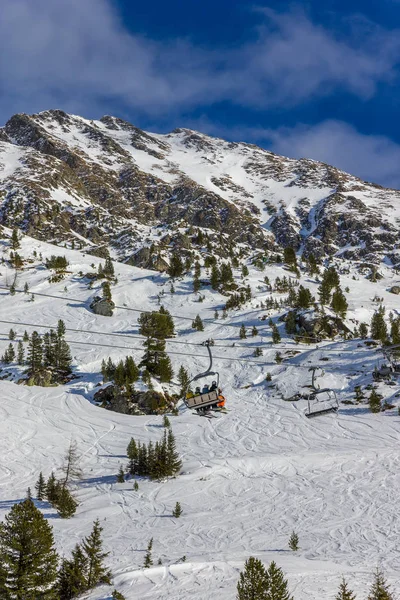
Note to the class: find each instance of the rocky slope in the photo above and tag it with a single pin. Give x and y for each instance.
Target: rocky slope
(107, 185)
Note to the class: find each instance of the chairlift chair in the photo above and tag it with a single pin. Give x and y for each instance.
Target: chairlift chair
(209, 398)
(322, 401)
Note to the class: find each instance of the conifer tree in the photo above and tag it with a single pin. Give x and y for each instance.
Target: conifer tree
(215, 277)
(26, 287)
(11, 334)
(61, 329)
(93, 549)
(277, 586)
(173, 461)
(131, 370)
(15, 245)
(20, 353)
(242, 332)
(166, 422)
(378, 325)
(176, 267)
(165, 371)
(196, 284)
(289, 258)
(395, 331)
(25, 337)
(363, 330)
(65, 503)
(116, 595)
(121, 475)
(344, 593)
(197, 324)
(28, 555)
(51, 489)
(72, 575)
(339, 303)
(70, 467)
(106, 291)
(375, 402)
(35, 353)
(183, 378)
(294, 541)
(312, 265)
(148, 560)
(254, 331)
(379, 589)
(177, 511)
(40, 487)
(276, 336)
(290, 322)
(253, 583)
(304, 298)
(108, 268)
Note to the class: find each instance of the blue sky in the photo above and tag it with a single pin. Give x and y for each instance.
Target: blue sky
(315, 79)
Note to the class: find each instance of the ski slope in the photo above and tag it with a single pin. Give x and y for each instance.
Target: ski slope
(249, 477)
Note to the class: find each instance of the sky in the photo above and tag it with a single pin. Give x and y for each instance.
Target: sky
(315, 79)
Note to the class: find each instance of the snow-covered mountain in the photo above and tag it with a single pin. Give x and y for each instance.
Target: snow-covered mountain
(109, 184)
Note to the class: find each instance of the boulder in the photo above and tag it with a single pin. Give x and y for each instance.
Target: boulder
(395, 289)
(103, 307)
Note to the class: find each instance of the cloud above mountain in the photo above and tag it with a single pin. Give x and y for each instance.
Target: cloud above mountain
(79, 55)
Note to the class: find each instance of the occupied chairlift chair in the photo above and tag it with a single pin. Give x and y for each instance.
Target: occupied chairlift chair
(210, 399)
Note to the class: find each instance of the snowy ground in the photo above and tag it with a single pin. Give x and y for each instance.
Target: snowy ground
(249, 477)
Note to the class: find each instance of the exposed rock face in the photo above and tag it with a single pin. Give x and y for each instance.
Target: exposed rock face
(101, 306)
(65, 178)
(395, 289)
(138, 403)
(317, 325)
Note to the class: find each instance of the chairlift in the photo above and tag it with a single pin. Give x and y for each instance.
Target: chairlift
(320, 401)
(209, 397)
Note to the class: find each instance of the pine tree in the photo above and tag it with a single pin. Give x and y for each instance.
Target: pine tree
(65, 503)
(290, 322)
(173, 461)
(165, 371)
(276, 337)
(254, 331)
(277, 585)
(15, 245)
(375, 402)
(379, 589)
(51, 489)
(20, 353)
(61, 329)
(28, 555)
(215, 277)
(304, 298)
(344, 593)
(196, 284)
(106, 291)
(177, 511)
(72, 575)
(253, 583)
(40, 487)
(166, 422)
(121, 475)
(197, 324)
(93, 549)
(70, 467)
(242, 332)
(339, 303)
(176, 267)
(294, 541)
(363, 331)
(378, 325)
(148, 560)
(289, 258)
(26, 287)
(131, 370)
(116, 595)
(25, 337)
(258, 351)
(183, 378)
(108, 269)
(11, 334)
(35, 353)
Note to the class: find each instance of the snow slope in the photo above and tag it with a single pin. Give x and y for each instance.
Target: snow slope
(249, 477)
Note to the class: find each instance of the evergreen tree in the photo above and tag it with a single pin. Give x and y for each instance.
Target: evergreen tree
(156, 327)
(395, 331)
(25, 337)
(20, 353)
(51, 489)
(294, 541)
(173, 461)
(363, 331)
(304, 298)
(312, 265)
(121, 475)
(254, 331)
(28, 555)
(40, 487)
(344, 593)
(148, 560)
(165, 371)
(108, 269)
(11, 334)
(378, 325)
(72, 575)
(177, 511)
(70, 467)
(15, 245)
(253, 583)
(93, 550)
(26, 287)
(196, 284)
(277, 586)
(339, 303)
(245, 271)
(289, 258)
(61, 329)
(116, 595)
(290, 322)
(35, 353)
(166, 422)
(65, 503)
(375, 402)
(183, 378)
(379, 589)
(131, 370)
(176, 267)
(324, 293)
(257, 352)
(276, 337)
(197, 324)
(242, 332)
(106, 291)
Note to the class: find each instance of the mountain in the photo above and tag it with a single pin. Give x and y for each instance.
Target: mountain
(107, 185)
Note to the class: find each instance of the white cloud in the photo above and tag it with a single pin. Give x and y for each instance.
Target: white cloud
(77, 55)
